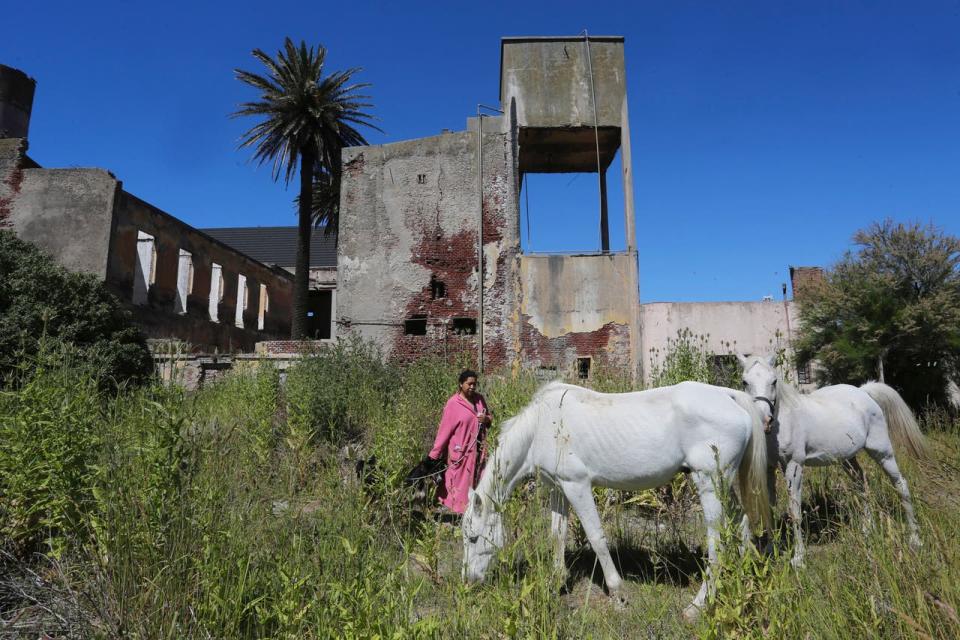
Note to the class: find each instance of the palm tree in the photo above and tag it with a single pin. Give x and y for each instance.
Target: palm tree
(308, 118)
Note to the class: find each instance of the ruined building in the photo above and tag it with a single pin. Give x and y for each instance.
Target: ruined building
(178, 282)
(278, 246)
(429, 257)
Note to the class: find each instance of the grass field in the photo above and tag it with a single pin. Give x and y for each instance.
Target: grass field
(232, 513)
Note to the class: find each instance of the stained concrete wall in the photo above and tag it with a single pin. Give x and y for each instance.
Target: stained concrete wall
(158, 318)
(12, 155)
(409, 216)
(550, 79)
(729, 327)
(68, 213)
(577, 306)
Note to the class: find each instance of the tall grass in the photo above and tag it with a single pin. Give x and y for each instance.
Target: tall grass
(228, 514)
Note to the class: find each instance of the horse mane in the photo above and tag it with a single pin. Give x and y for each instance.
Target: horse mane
(541, 391)
(789, 395)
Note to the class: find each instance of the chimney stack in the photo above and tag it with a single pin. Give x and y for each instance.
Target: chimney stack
(16, 102)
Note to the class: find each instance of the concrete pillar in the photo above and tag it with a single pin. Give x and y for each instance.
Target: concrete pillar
(626, 161)
(636, 320)
(604, 220)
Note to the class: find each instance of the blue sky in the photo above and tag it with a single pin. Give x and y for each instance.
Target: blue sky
(764, 133)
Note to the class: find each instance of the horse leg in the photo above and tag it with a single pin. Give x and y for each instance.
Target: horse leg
(581, 498)
(738, 514)
(859, 478)
(558, 525)
(794, 476)
(712, 514)
(889, 465)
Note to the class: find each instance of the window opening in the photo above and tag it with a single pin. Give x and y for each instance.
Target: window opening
(421, 178)
(145, 267)
(571, 200)
(184, 281)
(464, 326)
(438, 290)
(242, 299)
(216, 291)
(583, 367)
(264, 307)
(803, 374)
(415, 326)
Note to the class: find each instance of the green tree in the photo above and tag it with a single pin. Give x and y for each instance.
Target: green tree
(889, 310)
(307, 119)
(41, 300)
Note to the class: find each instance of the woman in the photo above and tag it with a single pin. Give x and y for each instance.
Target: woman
(460, 436)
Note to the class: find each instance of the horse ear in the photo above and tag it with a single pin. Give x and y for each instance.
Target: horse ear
(743, 359)
(772, 360)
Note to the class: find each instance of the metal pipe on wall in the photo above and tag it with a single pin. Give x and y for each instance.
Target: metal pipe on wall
(604, 224)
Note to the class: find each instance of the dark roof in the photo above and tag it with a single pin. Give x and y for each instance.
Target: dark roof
(277, 245)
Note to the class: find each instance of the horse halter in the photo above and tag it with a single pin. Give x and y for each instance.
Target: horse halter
(773, 412)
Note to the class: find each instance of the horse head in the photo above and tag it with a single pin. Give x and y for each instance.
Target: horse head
(760, 381)
(482, 535)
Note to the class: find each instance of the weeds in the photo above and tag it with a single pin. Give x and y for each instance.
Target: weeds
(226, 514)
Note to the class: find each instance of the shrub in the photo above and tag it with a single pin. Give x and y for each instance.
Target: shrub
(333, 395)
(687, 357)
(49, 419)
(40, 298)
(890, 310)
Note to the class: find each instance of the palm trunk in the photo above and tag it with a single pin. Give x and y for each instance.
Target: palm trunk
(301, 277)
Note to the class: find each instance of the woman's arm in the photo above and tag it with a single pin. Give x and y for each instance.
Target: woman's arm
(448, 424)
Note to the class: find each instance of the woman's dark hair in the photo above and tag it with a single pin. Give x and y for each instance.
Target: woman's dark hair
(466, 373)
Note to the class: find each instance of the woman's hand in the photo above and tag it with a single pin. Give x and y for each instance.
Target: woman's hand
(484, 418)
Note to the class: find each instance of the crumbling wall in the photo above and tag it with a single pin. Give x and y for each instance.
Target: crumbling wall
(12, 154)
(408, 245)
(728, 327)
(66, 212)
(158, 317)
(578, 306)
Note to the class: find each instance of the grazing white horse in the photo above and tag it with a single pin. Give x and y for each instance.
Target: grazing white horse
(830, 426)
(577, 438)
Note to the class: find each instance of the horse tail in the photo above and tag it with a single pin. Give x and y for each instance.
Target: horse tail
(752, 474)
(901, 424)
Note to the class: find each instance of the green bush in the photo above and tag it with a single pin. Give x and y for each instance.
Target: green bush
(335, 394)
(49, 421)
(890, 310)
(40, 298)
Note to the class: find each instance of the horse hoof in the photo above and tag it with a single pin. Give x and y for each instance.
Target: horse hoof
(797, 562)
(691, 614)
(620, 601)
(915, 542)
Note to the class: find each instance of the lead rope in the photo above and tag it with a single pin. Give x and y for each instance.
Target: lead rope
(476, 438)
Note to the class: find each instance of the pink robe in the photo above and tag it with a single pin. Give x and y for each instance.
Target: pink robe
(458, 438)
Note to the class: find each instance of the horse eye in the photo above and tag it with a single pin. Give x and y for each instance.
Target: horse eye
(774, 383)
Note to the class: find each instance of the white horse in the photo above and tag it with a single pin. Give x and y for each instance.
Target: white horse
(577, 438)
(830, 426)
